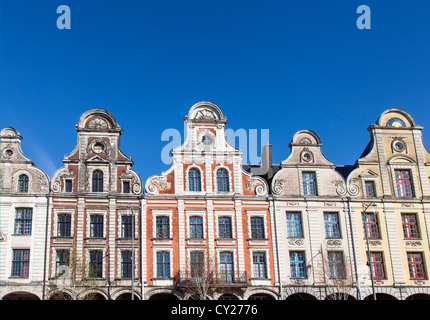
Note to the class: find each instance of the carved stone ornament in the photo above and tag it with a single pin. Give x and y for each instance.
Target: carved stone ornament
(43, 184)
(205, 114)
(334, 243)
(98, 124)
(260, 189)
(105, 146)
(296, 242)
(340, 187)
(407, 205)
(158, 183)
(278, 186)
(353, 187)
(413, 243)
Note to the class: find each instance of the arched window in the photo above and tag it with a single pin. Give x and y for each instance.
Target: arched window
(23, 183)
(97, 181)
(194, 183)
(222, 180)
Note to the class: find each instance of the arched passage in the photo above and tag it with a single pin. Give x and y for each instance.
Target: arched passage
(381, 296)
(261, 296)
(163, 296)
(20, 295)
(301, 296)
(419, 296)
(340, 296)
(127, 296)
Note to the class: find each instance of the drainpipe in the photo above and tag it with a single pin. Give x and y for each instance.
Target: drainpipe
(46, 239)
(353, 249)
(277, 249)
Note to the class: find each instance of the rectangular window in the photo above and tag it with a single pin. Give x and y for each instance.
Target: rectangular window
(331, 223)
(257, 228)
(23, 220)
(370, 188)
(370, 222)
(96, 264)
(196, 263)
(260, 268)
(226, 267)
(64, 225)
(225, 228)
(163, 264)
(298, 265)
(410, 226)
(294, 225)
(126, 264)
(403, 183)
(127, 226)
(69, 185)
(62, 261)
(416, 266)
(336, 265)
(196, 227)
(309, 184)
(126, 187)
(162, 227)
(20, 263)
(377, 265)
(96, 226)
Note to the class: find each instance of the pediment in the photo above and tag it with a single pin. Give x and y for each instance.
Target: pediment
(97, 159)
(369, 174)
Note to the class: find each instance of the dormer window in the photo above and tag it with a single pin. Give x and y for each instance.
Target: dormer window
(222, 181)
(97, 185)
(23, 183)
(194, 183)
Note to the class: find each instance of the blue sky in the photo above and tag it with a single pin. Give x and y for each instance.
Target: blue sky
(278, 65)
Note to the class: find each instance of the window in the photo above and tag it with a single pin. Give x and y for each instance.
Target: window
(162, 227)
(331, 222)
(226, 267)
(163, 264)
(69, 185)
(257, 228)
(96, 226)
(369, 187)
(126, 264)
(410, 226)
(64, 225)
(196, 227)
(370, 222)
(194, 183)
(96, 264)
(23, 220)
(62, 261)
(260, 268)
(23, 183)
(336, 265)
(403, 183)
(97, 181)
(294, 225)
(309, 184)
(225, 228)
(222, 180)
(127, 226)
(377, 265)
(298, 264)
(416, 266)
(196, 262)
(126, 187)
(20, 263)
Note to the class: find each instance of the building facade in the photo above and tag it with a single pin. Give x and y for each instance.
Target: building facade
(211, 227)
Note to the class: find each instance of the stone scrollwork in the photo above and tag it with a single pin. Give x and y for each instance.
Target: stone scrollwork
(353, 187)
(156, 184)
(278, 186)
(260, 188)
(340, 187)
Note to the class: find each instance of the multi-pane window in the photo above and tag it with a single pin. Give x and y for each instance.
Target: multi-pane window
(97, 185)
(331, 223)
(194, 183)
(226, 266)
(370, 222)
(369, 187)
(23, 220)
(62, 261)
(127, 226)
(64, 225)
(20, 263)
(309, 183)
(225, 228)
(163, 264)
(222, 180)
(126, 264)
(96, 264)
(377, 265)
(162, 226)
(257, 228)
(126, 187)
(259, 262)
(96, 226)
(403, 183)
(23, 183)
(294, 225)
(336, 264)
(196, 227)
(410, 226)
(416, 265)
(69, 185)
(298, 264)
(196, 262)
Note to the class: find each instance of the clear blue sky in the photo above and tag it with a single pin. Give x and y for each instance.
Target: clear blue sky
(278, 65)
